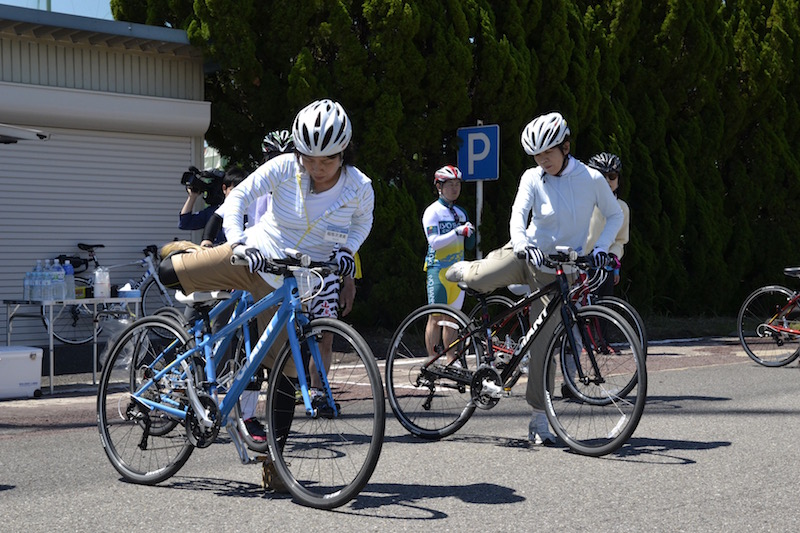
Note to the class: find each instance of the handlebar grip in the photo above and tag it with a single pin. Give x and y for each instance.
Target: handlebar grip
(239, 261)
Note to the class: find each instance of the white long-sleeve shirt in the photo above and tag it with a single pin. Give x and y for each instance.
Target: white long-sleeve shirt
(561, 208)
(297, 218)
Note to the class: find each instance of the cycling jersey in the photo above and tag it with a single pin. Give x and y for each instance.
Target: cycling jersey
(445, 247)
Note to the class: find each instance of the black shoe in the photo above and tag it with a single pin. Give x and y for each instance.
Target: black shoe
(566, 391)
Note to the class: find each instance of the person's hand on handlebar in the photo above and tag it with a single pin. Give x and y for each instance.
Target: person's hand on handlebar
(530, 253)
(600, 258)
(256, 261)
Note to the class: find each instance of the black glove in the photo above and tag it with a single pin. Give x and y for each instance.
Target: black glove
(346, 262)
(255, 259)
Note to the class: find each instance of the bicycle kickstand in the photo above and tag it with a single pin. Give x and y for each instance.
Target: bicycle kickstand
(241, 448)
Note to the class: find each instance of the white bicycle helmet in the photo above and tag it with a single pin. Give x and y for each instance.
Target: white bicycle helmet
(277, 141)
(544, 132)
(322, 128)
(446, 173)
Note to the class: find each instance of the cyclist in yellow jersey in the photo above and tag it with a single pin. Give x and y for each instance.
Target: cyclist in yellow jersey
(449, 232)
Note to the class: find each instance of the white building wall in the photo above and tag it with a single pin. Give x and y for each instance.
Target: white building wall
(126, 118)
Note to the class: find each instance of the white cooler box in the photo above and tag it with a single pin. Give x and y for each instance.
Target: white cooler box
(20, 372)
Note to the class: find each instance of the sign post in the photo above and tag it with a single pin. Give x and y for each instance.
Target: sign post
(479, 160)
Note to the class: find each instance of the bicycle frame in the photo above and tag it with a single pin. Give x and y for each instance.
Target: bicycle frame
(560, 295)
(288, 316)
(774, 324)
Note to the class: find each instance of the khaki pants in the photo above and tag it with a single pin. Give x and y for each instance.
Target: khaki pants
(501, 268)
(210, 269)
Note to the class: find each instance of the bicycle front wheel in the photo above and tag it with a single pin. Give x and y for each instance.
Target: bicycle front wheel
(629, 313)
(153, 298)
(595, 400)
(432, 400)
(769, 326)
(326, 459)
(72, 323)
(145, 446)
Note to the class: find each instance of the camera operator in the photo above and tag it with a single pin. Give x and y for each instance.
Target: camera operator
(196, 187)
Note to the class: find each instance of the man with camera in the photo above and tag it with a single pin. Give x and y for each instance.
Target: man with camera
(213, 186)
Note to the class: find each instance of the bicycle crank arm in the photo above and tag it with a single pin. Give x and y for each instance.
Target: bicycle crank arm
(194, 399)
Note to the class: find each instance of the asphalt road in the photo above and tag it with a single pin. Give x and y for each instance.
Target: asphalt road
(715, 451)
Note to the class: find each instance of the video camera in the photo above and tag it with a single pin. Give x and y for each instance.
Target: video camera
(207, 182)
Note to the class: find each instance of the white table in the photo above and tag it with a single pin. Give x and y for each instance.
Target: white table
(93, 303)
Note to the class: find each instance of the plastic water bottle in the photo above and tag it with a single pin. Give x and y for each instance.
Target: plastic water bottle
(69, 280)
(36, 281)
(47, 281)
(52, 279)
(59, 281)
(27, 286)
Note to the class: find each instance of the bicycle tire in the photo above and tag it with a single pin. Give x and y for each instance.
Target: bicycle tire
(427, 405)
(762, 308)
(140, 456)
(153, 299)
(326, 461)
(629, 313)
(73, 323)
(593, 417)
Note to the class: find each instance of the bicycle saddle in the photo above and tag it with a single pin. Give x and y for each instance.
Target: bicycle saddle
(793, 272)
(90, 247)
(201, 296)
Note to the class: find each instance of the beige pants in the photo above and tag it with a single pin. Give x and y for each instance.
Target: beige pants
(501, 268)
(210, 269)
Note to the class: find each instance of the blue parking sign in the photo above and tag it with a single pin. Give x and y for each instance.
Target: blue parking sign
(479, 154)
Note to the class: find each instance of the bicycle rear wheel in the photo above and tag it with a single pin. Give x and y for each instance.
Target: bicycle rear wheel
(325, 460)
(153, 299)
(767, 324)
(145, 446)
(435, 401)
(597, 413)
(72, 323)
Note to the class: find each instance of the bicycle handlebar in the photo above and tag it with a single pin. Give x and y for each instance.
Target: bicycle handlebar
(293, 261)
(565, 256)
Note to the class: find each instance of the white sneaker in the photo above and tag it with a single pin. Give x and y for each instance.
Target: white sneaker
(539, 430)
(456, 271)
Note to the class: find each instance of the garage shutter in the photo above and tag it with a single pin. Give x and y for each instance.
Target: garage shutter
(121, 190)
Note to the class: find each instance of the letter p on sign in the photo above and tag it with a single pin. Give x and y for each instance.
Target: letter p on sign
(479, 154)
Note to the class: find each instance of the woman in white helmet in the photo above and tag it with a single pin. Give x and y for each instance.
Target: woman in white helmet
(559, 195)
(321, 206)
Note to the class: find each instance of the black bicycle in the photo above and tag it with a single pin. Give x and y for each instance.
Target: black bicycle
(441, 366)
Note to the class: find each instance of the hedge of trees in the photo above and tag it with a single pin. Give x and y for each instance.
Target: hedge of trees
(698, 97)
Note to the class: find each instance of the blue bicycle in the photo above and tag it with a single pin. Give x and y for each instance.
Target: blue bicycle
(160, 397)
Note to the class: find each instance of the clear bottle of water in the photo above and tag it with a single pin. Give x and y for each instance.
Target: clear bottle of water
(59, 281)
(36, 281)
(27, 286)
(47, 280)
(69, 280)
